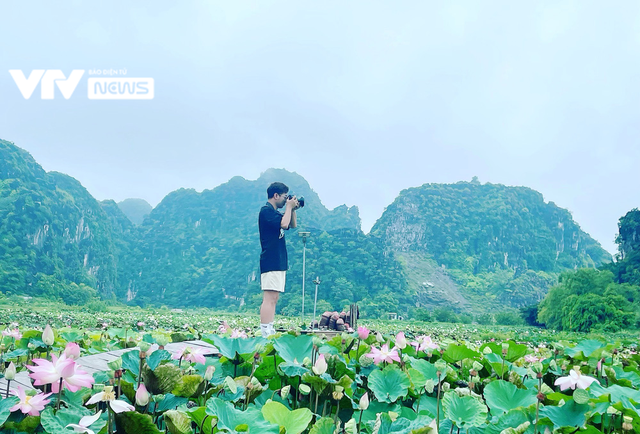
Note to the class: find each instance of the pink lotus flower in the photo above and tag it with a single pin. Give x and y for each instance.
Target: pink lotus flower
(383, 355)
(85, 423)
(140, 324)
(424, 343)
(363, 333)
(73, 378)
(575, 378)
(108, 395)
(238, 334)
(14, 333)
(72, 350)
(224, 327)
(191, 355)
(530, 358)
(31, 405)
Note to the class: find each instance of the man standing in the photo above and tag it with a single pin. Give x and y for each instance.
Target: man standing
(273, 259)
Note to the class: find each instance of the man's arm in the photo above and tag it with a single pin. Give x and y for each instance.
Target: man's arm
(289, 214)
(294, 222)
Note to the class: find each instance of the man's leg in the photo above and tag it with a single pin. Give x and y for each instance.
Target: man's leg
(268, 310)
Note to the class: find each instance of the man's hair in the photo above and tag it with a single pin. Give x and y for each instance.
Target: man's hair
(276, 187)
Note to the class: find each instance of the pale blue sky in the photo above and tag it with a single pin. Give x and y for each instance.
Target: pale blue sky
(362, 98)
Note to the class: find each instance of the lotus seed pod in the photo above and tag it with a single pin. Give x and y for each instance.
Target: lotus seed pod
(429, 385)
(505, 346)
(365, 361)
(441, 365)
(487, 350)
(306, 361)
(284, 392)
(446, 387)
(477, 365)
(304, 389)
(144, 347)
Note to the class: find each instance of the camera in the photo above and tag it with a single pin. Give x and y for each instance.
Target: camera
(300, 199)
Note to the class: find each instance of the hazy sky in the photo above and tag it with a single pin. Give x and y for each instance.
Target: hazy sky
(362, 98)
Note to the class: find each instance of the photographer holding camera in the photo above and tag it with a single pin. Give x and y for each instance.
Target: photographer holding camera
(273, 259)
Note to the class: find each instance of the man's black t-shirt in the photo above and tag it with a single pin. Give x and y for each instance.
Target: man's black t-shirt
(274, 249)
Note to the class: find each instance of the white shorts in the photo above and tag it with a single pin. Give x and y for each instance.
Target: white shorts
(273, 280)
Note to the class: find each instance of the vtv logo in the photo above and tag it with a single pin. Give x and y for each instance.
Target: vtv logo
(48, 77)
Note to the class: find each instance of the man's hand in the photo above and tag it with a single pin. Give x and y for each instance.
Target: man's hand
(293, 203)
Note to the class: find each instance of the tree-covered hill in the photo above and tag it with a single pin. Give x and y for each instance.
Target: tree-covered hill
(465, 246)
(55, 239)
(497, 243)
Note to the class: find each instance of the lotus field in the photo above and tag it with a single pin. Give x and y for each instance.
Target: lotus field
(384, 377)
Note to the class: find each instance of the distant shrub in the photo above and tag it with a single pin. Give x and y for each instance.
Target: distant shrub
(96, 306)
(444, 315)
(465, 318)
(422, 314)
(485, 319)
(509, 318)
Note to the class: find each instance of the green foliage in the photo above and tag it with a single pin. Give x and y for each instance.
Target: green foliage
(588, 299)
(509, 318)
(444, 315)
(294, 422)
(131, 422)
(485, 319)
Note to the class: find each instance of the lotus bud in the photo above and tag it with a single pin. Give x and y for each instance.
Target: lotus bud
(441, 365)
(284, 392)
(142, 396)
(401, 341)
(144, 347)
(487, 350)
(10, 372)
(321, 365)
(304, 389)
(363, 333)
(115, 364)
(477, 365)
(364, 401)
(379, 337)
(208, 373)
(47, 336)
(72, 350)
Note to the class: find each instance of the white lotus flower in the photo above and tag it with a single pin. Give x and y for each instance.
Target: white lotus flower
(108, 395)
